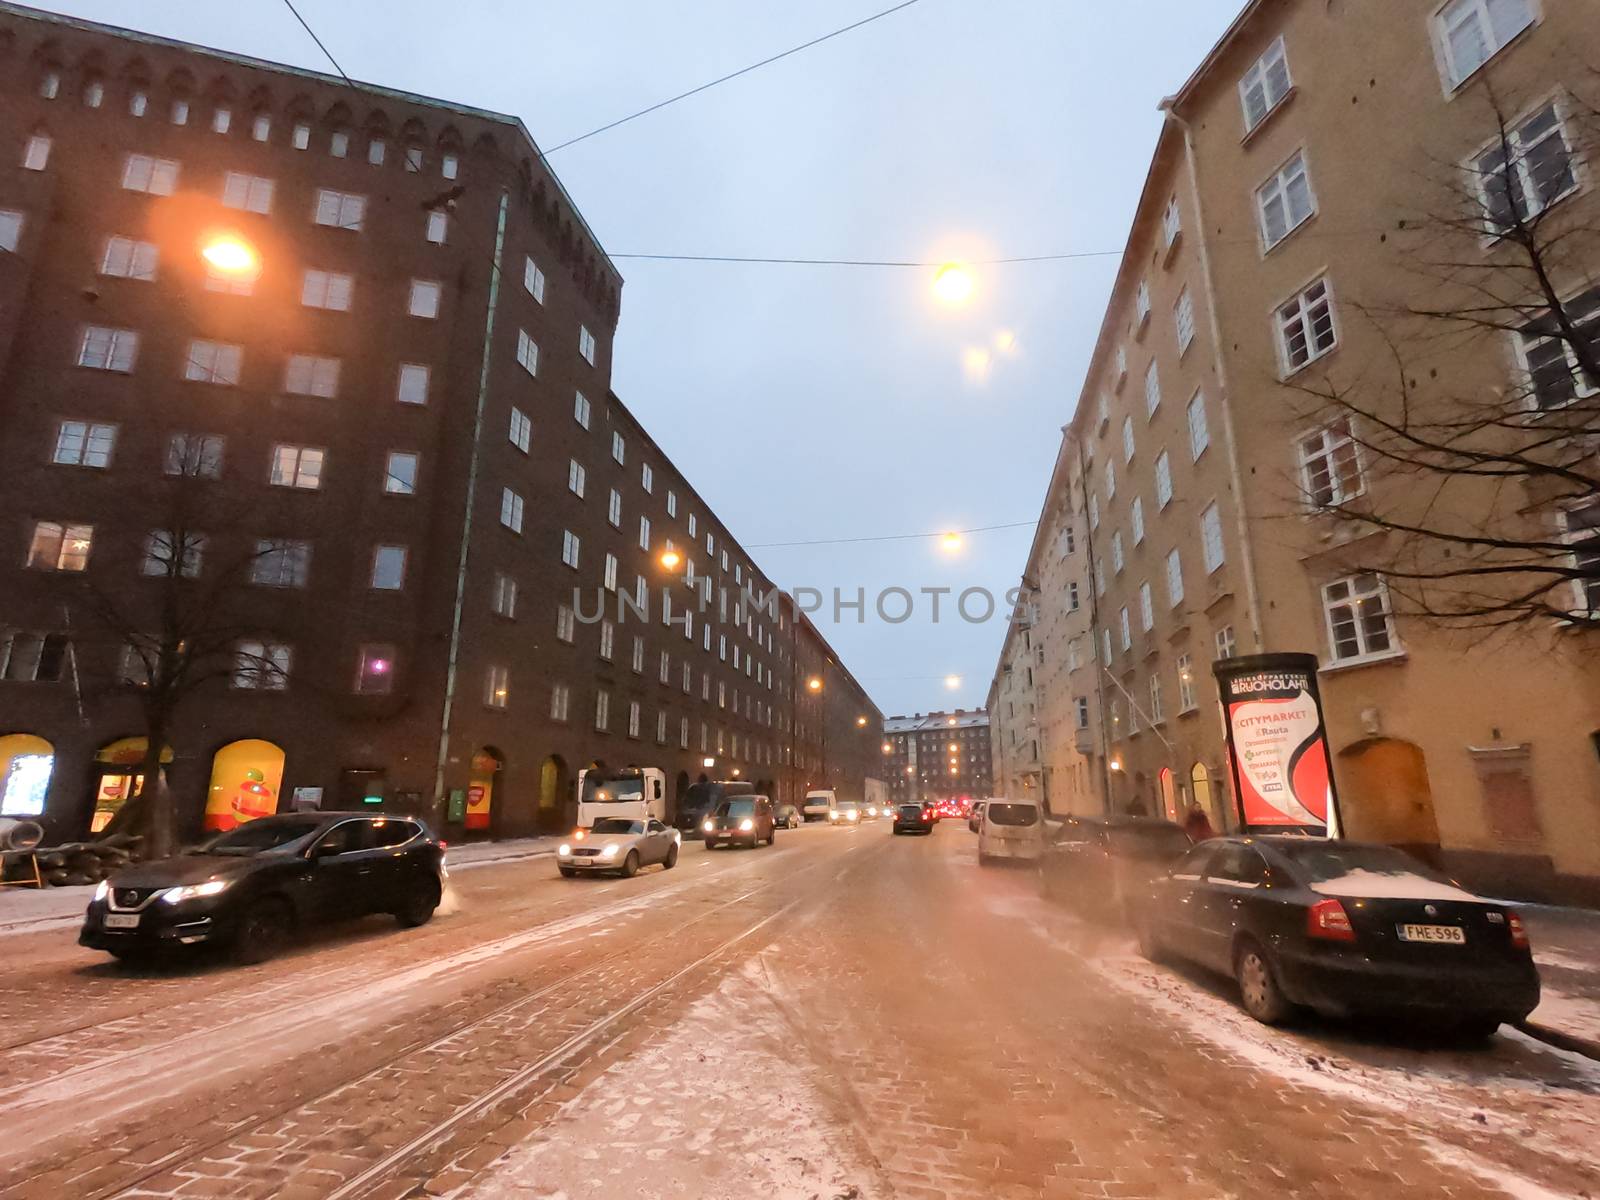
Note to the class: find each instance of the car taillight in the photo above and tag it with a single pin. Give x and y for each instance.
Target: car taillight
(1327, 920)
(1519, 931)
(444, 845)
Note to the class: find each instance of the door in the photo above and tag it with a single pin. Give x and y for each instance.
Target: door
(397, 863)
(344, 874)
(658, 841)
(1177, 903)
(1232, 878)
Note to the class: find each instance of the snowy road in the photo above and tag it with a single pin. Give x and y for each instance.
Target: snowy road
(845, 1015)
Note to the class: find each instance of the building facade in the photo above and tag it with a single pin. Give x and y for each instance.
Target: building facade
(938, 756)
(1296, 199)
(307, 386)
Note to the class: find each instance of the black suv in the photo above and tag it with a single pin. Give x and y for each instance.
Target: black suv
(251, 887)
(915, 818)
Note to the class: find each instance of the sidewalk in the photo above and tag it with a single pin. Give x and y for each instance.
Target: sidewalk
(1566, 945)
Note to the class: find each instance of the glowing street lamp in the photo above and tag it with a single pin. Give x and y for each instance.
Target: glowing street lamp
(887, 748)
(709, 762)
(670, 559)
(814, 683)
(952, 284)
(952, 682)
(861, 722)
(230, 255)
(951, 542)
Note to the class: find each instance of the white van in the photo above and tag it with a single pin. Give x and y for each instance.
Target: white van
(818, 805)
(1010, 829)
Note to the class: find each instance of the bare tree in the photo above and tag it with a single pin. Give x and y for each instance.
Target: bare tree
(1463, 462)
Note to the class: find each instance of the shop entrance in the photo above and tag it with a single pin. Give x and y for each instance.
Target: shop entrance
(116, 778)
(486, 768)
(26, 764)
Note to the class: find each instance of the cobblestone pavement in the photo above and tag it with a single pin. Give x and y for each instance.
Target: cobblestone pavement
(845, 1015)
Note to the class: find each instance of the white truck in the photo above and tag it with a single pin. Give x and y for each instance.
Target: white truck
(875, 793)
(637, 793)
(819, 803)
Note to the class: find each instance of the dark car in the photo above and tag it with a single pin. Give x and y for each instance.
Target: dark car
(251, 887)
(788, 816)
(743, 820)
(914, 818)
(700, 800)
(1344, 928)
(1102, 865)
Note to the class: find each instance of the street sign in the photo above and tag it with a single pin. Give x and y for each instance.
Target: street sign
(1277, 744)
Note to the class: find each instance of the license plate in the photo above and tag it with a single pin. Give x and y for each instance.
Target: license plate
(122, 920)
(1452, 934)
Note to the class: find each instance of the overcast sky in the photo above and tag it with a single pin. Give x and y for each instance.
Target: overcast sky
(818, 402)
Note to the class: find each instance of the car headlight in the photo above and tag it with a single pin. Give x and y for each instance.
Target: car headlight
(747, 825)
(608, 851)
(104, 890)
(708, 825)
(194, 891)
(851, 816)
(564, 850)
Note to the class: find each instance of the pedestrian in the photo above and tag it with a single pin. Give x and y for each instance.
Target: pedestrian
(1197, 825)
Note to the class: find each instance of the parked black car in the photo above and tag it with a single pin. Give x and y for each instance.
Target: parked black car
(250, 888)
(1103, 865)
(914, 818)
(787, 816)
(742, 819)
(1344, 928)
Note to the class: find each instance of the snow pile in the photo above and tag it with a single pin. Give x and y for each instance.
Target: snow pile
(1392, 885)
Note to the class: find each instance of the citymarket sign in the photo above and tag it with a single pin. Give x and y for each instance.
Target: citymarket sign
(1277, 743)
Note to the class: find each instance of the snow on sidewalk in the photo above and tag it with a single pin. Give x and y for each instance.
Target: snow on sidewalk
(714, 1110)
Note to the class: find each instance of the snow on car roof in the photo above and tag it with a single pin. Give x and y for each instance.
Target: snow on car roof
(1390, 885)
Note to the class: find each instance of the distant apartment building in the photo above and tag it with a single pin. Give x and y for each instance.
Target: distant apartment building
(937, 756)
(1293, 207)
(310, 381)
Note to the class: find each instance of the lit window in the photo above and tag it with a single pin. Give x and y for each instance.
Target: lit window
(326, 289)
(1330, 466)
(1285, 201)
(1471, 32)
(1185, 684)
(388, 568)
(1265, 84)
(311, 375)
(281, 562)
(511, 510)
(576, 476)
(36, 154)
(84, 444)
(1211, 537)
(108, 349)
(1199, 431)
(520, 432)
(127, 258)
(527, 352)
(580, 410)
(1305, 327)
(248, 192)
(497, 686)
(533, 279)
(57, 546)
(1359, 622)
(375, 670)
(424, 301)
(297, 467)
(413, 385)
(229, 283)
(339, 210)
(400, 473)
(213, 362)
(157, 176)
(262, 666)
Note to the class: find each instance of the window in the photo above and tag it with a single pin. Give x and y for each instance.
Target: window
(570, 545)
(438, 227)
(527, 352)
(94, 94)
(60, 547)
(388, 568)
(281, 562)
(414, 159)
(566, 624)
(84, 444)
(296, 466)
(1082, 706)
(375, 670)
(341, 210)
(1305, 327)
(1125, 628)
(672, 504)
(1184, 317)
(691, 524)
(1136, 519)
(1147, 608)
(666, 667)
(1094, 511)
(248, 192)
(326, 289)
(533, 279)
(450, 166)
(1330, 466)
(1127, 439)
(50, 85)
(1185, 684)
(221, 120)
(602, 710)
(511, 510)
(157, 176)
(1285, 201)
(1211, 537)
(560, 702)
(1471, 32)
(339, 144)
(661, 727)
(312, 375)
(496, 681)
(11, 229)
(413, 384)
(586, 345)
(376, 149)
(1265, 84)
(33, 658)
(638, 655)
(580, 410)
(1157, 716)
(619, 448)
(213, 362)
(261, 127)
(1171, 222)
(614, 508)
(1526, 171)
(1111, 481)
(609, 578)
(124, 258)
(1199, 431)
(608, 637)
(644, 533)
(647, 478)
(1581, 530)
(1554, 375)
(108, 349)
(1174, 578)
(503, 596)
(1359, 622)
(1227, 646)
(400, 473)
(424, 302)
(197, 455)
(1072, 596)
(1118, 560)
(1141, 304)
(575, 477)
(36, 154)
(1152, 390)
(180, 112)
(228, 284)
(520, 433)
(633, 719)
(262, 666)
(1163, 480)
(300, 136)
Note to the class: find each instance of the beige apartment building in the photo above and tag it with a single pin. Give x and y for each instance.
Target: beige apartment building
(1302, 209)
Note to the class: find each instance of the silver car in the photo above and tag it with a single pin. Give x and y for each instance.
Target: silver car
(620, 844)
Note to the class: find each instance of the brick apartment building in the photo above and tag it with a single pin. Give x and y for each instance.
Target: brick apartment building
(937, 756)
(383, 461)
(1297, 196)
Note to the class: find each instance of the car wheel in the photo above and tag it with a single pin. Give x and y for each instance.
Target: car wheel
(1149, 944)
(983, 859)
(672, 857)
(711, 844)
(419, 907)
(261, 932)
(630, 865)
(1258, 984)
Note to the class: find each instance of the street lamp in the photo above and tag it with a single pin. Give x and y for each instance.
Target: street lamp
(670, 559)
(861, 722)
(951, 542)
(230, 255)
(952, 682)
(814, 684)
(887, 748)
(952, 284)
(709, 762)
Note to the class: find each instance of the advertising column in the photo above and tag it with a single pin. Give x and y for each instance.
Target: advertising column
(1277, 744)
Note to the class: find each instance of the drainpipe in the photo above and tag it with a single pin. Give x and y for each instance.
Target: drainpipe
(453, 665)
(1252, 594)
(1094, 630)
